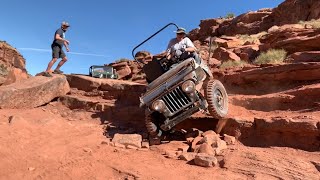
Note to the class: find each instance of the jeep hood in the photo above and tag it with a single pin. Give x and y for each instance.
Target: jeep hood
(167, 80)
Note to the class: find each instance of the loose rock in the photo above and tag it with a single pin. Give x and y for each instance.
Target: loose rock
(205, 160)
(128, 139)
(187, 156)
(230, 140)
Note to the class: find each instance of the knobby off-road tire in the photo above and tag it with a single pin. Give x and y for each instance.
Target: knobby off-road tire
(152, 127)
(217, 99)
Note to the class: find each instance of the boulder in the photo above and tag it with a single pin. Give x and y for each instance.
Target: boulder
(205, 148)
(213, 63)
(307, 56)
(10, 57)
(76, 102)
(187, 156)
(210, 139)
(16, 75)
(124, 91)
(292, 39)
(33, 92)
(195, 143)
(205, 160)
(123, 70)
(291, 12)
(223, 54)
(247, 53)
(227, 43)
(207, 27)
(211, 132)
(230, 140)
(219, 146)
(276, 74)
(247, 23)
(128, 139)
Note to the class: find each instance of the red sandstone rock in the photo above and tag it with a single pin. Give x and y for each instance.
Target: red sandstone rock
(16, 75)
(33, 92)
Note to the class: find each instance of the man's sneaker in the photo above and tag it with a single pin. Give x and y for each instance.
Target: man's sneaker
(46, 74)
(58, 71)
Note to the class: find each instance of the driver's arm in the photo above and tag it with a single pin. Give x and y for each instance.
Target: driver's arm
(190, 46)
(190, 49)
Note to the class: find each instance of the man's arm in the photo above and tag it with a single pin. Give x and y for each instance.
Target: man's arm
(190, 46)
(190, 49)
(66, 45)
(58, 37)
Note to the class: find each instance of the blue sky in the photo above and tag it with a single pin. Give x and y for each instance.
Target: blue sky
(104, 31)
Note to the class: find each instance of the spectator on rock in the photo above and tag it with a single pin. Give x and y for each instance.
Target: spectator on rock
(57, 49)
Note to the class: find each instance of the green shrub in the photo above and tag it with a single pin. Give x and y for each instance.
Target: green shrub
(272, 56)
(314, 23)
(229, 15)
(231, 63)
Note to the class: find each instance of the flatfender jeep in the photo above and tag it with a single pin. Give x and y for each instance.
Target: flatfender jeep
(177, 90)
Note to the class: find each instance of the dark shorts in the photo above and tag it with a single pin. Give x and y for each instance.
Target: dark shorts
(57, 51)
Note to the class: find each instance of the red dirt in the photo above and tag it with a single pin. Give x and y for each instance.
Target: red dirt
(53, 142)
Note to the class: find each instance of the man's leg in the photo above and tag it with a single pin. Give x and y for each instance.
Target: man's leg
(51, 63)
(65, 59)
(55, 56)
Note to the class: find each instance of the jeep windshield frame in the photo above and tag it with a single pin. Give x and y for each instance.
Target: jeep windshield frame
(166, 26)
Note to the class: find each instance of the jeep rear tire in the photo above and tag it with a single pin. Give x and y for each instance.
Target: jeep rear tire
(217, 99)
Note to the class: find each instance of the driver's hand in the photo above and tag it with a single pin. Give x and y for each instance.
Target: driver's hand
(178, 53)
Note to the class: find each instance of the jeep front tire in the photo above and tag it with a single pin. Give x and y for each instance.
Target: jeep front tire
(217, 99)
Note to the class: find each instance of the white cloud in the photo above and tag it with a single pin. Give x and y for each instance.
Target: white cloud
(74, 53)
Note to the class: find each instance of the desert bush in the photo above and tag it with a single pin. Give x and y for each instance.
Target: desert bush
(3, 70)
(247, 38)
(272, 56)
(229, 15)
(314, 23)
(251, 38)
(121, 60)
(231, 63)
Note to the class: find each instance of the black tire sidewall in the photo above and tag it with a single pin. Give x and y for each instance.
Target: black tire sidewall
(211, 87)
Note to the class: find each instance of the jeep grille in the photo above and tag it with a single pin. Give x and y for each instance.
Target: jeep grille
(176, 100)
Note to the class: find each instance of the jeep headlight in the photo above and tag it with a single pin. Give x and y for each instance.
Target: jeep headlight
(188, 86)
(158, 105)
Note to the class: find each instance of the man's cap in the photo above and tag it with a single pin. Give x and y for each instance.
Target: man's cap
(180, 30)
(65, 23)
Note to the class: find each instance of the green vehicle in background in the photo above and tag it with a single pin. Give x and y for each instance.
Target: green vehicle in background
(103, 72)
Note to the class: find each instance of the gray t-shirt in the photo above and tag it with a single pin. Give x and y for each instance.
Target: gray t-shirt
(175, 45)
(62, 35)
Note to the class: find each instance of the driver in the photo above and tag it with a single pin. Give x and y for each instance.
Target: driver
(180, 47)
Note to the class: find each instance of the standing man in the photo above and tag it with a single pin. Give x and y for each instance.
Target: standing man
(57, 51)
